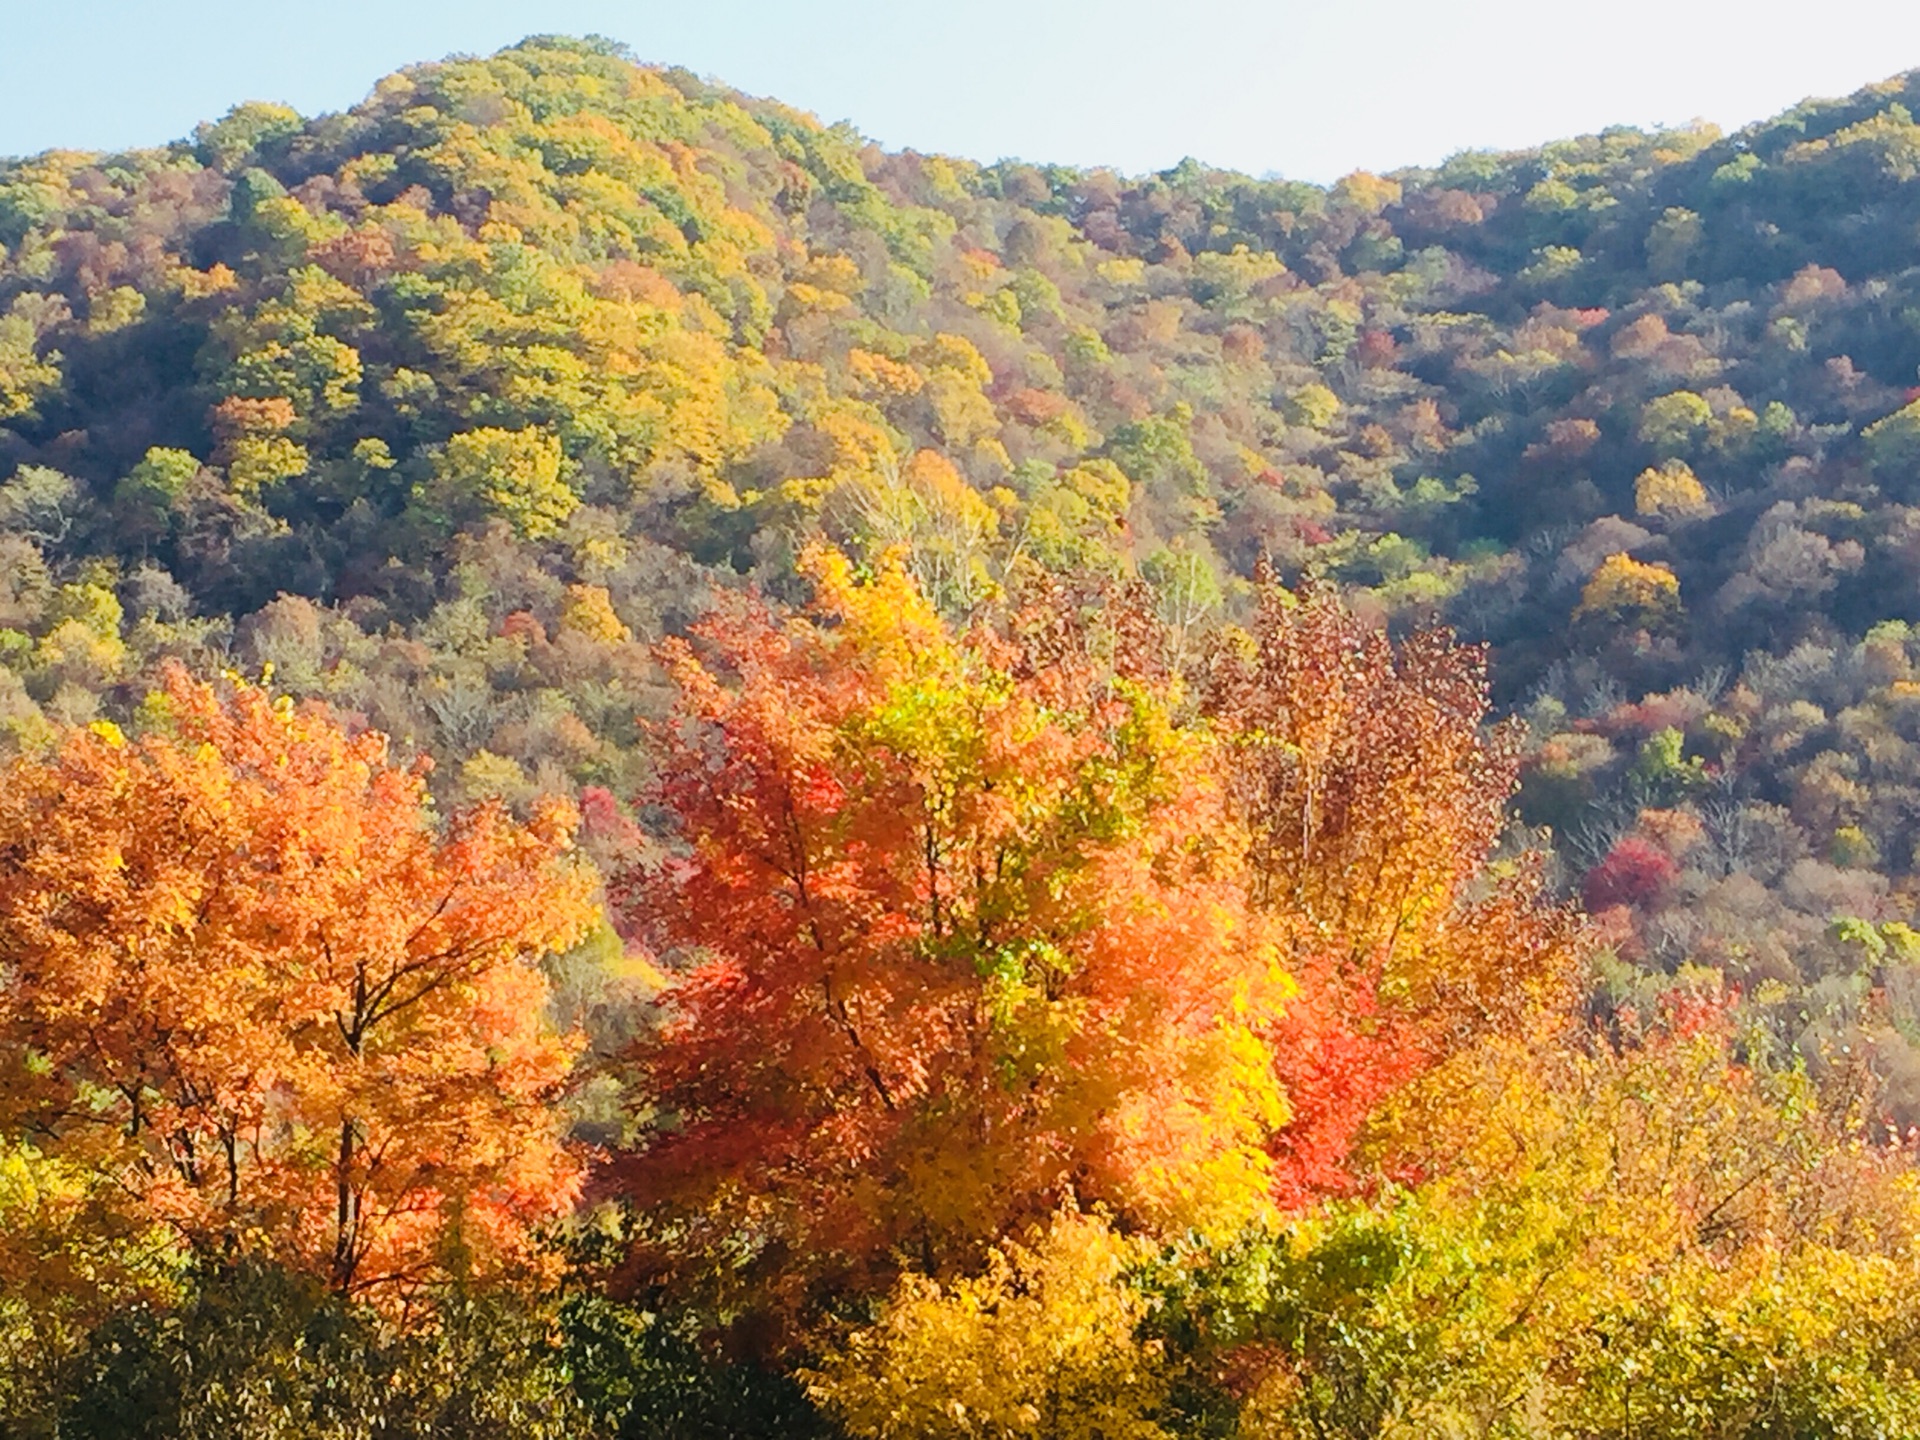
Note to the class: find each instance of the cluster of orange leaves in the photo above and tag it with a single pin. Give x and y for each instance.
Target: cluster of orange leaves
(250, 980)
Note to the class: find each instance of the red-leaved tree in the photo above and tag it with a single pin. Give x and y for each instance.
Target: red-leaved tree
(962, 928)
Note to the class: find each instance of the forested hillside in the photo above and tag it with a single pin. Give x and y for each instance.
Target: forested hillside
(664, 466)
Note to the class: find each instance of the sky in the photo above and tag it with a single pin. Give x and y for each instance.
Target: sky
(1311, 91)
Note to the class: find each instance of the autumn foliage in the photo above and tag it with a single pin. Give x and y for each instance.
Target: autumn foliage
(1374, 796)
(1056, 983)
(1629, 1236)
(251, 980)
(965, 932)
(977, 923)
(1050, 1044)
(1633, 872)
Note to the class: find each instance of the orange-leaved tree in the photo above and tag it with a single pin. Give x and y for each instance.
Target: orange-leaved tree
(1375, 796)
(249, 977)
(963, 932)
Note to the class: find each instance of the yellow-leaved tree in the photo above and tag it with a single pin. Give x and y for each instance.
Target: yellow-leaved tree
(1043, 1344)
(1623, 588)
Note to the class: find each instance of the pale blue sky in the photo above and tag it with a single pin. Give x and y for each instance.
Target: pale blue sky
(1310, 90)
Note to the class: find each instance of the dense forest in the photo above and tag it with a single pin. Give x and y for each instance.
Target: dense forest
(668, 775)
